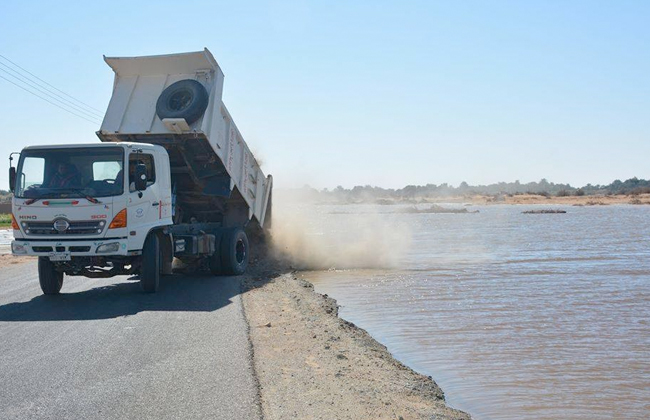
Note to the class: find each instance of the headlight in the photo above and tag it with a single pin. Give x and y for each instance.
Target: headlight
(17, 248)
(106, 248)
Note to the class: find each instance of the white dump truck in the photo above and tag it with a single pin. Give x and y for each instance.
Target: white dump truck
(171, 178)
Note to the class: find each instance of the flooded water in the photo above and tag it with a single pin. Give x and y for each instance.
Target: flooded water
(515, 316)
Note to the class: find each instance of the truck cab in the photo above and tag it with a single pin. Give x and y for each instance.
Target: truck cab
(82, 199)
(86, 206)
(171, 178)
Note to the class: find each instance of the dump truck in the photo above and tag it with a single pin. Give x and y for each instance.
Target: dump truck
(171, 178)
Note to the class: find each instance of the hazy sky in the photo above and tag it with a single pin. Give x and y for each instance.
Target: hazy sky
(369, 92)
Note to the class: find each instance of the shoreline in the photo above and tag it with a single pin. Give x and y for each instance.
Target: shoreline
(501, 199)
(310, 363)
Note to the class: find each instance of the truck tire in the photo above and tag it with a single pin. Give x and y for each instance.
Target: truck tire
(234, 252)
(166, 255)
(50, 279)
(184, 99)
(214, 263)
(150, 269)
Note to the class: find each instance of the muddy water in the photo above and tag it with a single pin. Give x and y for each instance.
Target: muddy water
(515, 316)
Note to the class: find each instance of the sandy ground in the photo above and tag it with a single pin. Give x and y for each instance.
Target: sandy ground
(587, 200)
(592, 200)
(8, 259)
(311, 364)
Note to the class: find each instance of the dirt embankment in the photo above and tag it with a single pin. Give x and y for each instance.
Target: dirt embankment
(311, 364)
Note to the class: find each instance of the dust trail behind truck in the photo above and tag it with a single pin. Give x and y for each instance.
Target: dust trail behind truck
(173, 175)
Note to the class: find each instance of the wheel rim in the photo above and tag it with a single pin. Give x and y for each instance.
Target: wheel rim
(240, 251)
(180, 100)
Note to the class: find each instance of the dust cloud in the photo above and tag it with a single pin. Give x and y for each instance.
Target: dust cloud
(321, 237)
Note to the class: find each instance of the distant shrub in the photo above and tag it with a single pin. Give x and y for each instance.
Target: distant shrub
(639, 191)
(384, 202)
(563, 193)
(579, 192)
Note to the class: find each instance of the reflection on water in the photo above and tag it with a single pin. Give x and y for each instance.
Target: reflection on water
(516, 316)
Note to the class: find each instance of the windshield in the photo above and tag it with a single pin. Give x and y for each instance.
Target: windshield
(65, 173)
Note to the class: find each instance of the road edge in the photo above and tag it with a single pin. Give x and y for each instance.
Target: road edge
(343, 373)
(251, 349)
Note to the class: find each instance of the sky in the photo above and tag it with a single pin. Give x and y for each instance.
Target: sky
(385, 93)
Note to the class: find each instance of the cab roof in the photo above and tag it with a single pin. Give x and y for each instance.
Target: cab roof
(89, 145)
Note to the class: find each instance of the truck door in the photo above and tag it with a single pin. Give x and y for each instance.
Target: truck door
(143, 206)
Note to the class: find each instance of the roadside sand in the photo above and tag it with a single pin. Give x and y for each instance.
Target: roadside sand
(311, 364)
(8, 259)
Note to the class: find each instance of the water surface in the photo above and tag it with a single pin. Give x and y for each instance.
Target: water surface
(515, 316)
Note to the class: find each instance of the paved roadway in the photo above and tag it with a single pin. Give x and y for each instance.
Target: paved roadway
(104, 350)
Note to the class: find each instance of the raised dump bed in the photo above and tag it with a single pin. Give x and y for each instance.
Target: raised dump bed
(175, 101)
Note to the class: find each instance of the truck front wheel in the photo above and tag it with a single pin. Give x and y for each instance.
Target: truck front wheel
(234, 252)
(50, 279)
(150, 269)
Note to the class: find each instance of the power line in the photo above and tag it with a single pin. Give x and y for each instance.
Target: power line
(45, 89)
(53, 87)
(46, 100)
(55, 97)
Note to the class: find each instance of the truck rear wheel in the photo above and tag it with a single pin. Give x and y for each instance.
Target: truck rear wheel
(234, 252)
(50, 279)
(150, 269)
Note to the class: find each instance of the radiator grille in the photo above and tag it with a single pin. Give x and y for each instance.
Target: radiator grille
(74, 228)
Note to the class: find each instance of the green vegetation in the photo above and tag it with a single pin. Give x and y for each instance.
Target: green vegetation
(5, 220)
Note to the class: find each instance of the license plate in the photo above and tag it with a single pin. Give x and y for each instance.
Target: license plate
(59, 256)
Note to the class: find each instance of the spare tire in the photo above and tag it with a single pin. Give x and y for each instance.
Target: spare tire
(184, 99)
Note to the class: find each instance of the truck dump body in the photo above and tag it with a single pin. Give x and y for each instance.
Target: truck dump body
(215, 176)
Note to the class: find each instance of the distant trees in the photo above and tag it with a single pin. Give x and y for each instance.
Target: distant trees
(368, 193)
(5, 196)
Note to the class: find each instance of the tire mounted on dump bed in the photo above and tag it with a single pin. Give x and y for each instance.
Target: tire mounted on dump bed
(184, 99)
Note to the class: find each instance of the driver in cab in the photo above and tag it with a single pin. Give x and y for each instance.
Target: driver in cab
(66, 176)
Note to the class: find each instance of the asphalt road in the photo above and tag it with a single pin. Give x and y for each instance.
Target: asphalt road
(105, 350)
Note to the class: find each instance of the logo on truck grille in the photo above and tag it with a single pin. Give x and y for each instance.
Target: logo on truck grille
(61, 225)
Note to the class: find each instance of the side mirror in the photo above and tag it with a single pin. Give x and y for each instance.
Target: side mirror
(12, 178)
(140, 177)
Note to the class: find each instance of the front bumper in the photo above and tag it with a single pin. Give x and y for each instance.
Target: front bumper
(75, 248)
